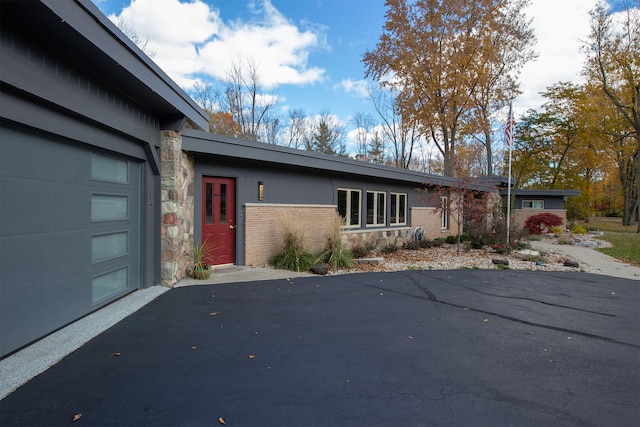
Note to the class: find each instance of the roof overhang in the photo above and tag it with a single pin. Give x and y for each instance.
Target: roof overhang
(541, 193)
(214, 145)
(78, 31)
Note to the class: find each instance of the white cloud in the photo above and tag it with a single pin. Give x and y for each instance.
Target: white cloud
(561, 27)
(191, 38)
(358, 87)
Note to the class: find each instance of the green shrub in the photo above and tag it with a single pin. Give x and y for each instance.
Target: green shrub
(452, 240)
(335, 253)
(578, 229)
(389, 249)
(411, 245)
(362, 251)
(438, 242)
(426, 244)
(293, 255)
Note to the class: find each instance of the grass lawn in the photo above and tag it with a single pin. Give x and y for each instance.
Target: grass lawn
(625, 239)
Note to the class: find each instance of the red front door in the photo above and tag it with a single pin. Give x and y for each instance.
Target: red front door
(218, 219)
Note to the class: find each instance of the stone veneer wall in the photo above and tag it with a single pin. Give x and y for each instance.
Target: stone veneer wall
(177, 194)
(379, 238)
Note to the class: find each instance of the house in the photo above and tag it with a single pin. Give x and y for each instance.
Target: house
(530, 202)
(107, 176)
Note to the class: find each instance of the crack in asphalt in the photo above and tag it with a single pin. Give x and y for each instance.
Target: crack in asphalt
(432, 298)
(541, 302)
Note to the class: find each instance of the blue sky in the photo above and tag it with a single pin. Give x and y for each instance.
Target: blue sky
(309, 51)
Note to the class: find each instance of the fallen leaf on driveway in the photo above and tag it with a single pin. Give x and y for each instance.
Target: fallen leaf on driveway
(76, 417)
(214, 313)
(251, 356)
(116, 354)
(221, 420)
(410, 337)
(529, 333)
(193, 347)
(466, 309)
(486, 320)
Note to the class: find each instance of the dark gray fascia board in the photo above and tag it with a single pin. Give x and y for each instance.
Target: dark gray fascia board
(541, 193)
(150, 83)
(204, 143)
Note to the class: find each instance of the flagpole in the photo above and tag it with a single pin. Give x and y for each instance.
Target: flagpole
(509, 141)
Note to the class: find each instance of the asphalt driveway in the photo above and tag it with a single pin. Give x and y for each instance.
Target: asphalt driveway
(429, 348)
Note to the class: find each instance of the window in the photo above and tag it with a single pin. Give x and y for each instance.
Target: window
(376, 208)
(398, 209)
(444, 213)
(533, 204)
(349, 206)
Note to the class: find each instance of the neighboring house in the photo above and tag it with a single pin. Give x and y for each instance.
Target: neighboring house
(528, 203)
(107, 176)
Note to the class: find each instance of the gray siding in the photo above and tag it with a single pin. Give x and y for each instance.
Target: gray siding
(287, 185)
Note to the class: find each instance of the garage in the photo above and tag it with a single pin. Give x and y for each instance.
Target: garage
(66, 208)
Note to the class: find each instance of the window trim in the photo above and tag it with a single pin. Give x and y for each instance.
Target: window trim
(394, 219)
(376, 205)
(533, 203)
(347, 218)
(444, 213)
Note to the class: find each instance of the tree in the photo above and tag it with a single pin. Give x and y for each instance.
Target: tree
(509, 50)
(436, 54)
(363, 123)
(141, 41)
(297, 128)
(244, 100)
(613, 63)
(327, 136)
(223, 123)
(402, 134)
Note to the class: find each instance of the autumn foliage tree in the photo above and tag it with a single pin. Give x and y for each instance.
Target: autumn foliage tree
(613, 65)
(438, 54)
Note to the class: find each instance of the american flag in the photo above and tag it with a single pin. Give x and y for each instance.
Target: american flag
(508, 130)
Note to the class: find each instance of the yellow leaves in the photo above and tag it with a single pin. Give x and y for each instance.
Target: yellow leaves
(76, 417)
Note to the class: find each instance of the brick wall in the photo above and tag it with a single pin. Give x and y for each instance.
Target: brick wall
(521, 215)
(263, 234)
(429, 219)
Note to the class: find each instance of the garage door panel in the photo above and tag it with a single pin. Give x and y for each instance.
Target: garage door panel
(66, 164)
(48, 221)
(39, 207)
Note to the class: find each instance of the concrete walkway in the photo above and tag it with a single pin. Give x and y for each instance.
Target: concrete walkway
(604, 264)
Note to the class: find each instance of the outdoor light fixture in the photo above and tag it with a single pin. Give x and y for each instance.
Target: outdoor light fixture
(260, 190)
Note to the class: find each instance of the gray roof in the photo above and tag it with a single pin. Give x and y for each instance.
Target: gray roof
(541, 193)
(204, 143)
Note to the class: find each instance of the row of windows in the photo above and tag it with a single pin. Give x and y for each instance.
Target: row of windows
(350, 204)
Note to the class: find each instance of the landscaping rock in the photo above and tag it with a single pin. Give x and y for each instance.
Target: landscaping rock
(321, 269)
(574, 264)
(596, 233)
(541, 263)
(498, 261)
(588, 244)
(370, 261)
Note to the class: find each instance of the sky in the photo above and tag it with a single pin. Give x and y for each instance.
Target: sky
(309, 52)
